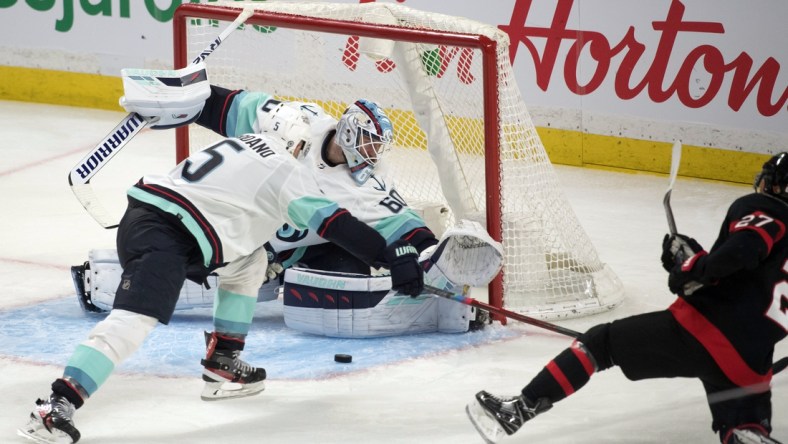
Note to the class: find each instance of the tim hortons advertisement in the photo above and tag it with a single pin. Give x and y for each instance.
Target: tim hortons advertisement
(712, 62)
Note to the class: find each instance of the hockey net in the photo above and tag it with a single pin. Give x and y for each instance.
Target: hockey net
(465, 145)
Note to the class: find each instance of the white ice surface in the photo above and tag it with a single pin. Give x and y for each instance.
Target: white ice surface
(44, 230)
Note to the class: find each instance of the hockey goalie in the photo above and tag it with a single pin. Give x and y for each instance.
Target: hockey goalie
(348, 172)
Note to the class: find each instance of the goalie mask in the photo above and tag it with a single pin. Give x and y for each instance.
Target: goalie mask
(288, 123)
(364, 133)
(774, 174)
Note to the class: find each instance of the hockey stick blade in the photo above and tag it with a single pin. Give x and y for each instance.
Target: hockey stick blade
(461, 298)
(675, 160)
(79, 176)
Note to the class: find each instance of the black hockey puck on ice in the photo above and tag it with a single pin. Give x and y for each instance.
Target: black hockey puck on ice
(345, 359)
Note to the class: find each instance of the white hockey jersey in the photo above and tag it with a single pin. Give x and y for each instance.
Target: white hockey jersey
(376, 203)
(234, 195)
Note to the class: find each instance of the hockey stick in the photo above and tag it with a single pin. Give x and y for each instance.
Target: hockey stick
(777, 367)
(780, 365)
(499, 311)
(80, 175)
(739, 392)
(675, 160)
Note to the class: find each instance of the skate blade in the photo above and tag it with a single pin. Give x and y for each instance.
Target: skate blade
(217, 391)
(486, 425)
(38, 433)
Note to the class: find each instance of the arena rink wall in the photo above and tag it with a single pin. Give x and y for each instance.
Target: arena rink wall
(608, 85)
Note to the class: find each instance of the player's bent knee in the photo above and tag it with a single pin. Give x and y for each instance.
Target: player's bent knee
(120, 334)
(596, 342)
(245, 275)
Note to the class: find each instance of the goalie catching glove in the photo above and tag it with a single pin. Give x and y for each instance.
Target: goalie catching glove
(166, 98)
(407, 275)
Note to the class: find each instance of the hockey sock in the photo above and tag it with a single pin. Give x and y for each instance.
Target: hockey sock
(69, 390)
(564, 375)
(223, 341)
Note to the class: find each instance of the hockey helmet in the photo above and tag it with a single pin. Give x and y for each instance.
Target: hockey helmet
(774, 174)
(288, 123)
(364, 133)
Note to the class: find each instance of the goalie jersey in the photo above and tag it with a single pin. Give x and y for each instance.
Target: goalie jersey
(375, 203)
(233, 196)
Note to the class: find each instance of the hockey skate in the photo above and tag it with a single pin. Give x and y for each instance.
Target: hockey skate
(494, 417)
(226, 376)
(481, 320)
(50, 422)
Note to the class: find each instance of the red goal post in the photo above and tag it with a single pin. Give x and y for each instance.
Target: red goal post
(465, 146)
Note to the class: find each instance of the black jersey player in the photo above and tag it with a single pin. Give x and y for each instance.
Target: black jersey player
(731, 311)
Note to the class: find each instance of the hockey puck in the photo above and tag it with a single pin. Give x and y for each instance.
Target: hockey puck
(345, 359)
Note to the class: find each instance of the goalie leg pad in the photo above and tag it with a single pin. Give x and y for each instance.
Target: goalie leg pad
(102, 277)
(97, 280)
(453, 317)
(351, 305)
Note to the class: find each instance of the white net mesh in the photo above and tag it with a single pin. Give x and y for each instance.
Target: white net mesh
(433, 93)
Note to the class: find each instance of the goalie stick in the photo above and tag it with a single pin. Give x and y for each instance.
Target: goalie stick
(462, 298)
(80, 175)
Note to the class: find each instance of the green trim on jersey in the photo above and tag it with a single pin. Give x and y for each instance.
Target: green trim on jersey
(184, 216)
(298, 253)
(243, 112)
(394, 227)
(89, 367)
(310, 212)
(233, 312)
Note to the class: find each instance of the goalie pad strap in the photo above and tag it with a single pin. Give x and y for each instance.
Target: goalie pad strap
(333, 290)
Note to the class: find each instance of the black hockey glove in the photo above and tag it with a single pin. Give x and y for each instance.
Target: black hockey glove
(275, 268)
(676, 249)
(687, 277)
(407, 276)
